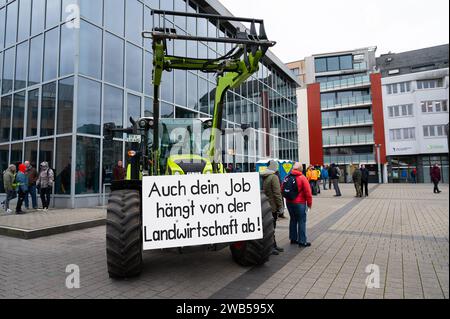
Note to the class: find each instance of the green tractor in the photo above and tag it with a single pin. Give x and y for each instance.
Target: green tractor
(178, 146)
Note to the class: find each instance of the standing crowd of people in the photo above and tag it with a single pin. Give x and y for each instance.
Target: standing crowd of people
(23, 181)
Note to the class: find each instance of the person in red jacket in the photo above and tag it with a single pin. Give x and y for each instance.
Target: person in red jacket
(298, 209)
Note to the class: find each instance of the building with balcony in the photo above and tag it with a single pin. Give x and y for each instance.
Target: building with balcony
(343, 105)
(62, 77)
(415, 95)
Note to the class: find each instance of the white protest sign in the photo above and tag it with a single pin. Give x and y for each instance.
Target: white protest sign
(191, 210)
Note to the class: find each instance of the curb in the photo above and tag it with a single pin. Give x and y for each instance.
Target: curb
(44, 232)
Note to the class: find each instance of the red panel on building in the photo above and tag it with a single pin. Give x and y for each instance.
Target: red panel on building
(315, 125)
(378, 115)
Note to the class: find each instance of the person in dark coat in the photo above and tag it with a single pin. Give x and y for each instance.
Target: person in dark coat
(357, 180)
(436, 178)
(364, 180)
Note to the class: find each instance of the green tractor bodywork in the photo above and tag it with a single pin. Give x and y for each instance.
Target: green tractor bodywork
(160, 150)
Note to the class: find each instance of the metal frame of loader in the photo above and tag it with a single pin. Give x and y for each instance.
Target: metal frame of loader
(124, 216)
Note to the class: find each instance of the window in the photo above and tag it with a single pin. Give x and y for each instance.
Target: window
(24, 20)
(134, 21)
(89, 98)
(402, 134)
(32, 112)
(48, 106)
(396, 88)
(90, 50)
(21, 66)
(51, 54)
(8, 71)
(430, 84)
(46, 151)
(296, 71)
(63, 165)
(434, 106)
(53, 13)
(400, 110)
(434, 131)
(321, 65)
(11, 23)
(18, 116)
(67, 51)
(65, 106)
(5, 118)
(346, 62)
(134, 68)
(335, 63)
(92, 10)
(114, 56)
(87, 171)
(114, 16)
(38, 16)
(133, 107)
(113, 107)
(35, 63)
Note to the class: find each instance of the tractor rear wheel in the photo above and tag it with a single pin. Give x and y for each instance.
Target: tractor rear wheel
(124, 234)
(257, 252)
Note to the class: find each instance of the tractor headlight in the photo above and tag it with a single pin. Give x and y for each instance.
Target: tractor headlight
(142, 124)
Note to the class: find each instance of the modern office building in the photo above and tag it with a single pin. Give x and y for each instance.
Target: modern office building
(62, 78)
(415, 95)
(344, 107)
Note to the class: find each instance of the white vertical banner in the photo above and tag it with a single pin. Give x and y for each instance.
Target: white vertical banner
(191, 210)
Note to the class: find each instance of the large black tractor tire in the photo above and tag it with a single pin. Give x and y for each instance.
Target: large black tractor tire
(257, 252)
(124, 234)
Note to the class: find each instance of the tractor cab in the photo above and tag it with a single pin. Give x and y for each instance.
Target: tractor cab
(183, 145)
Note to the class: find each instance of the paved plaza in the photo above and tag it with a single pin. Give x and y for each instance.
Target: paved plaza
(401, 230)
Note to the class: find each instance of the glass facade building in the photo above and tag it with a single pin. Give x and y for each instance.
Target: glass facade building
(64, 75)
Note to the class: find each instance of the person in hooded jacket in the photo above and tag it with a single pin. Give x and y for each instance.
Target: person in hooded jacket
(9, 176)
(298, 209)
(272, 189)
(45, 183)
(22, 185)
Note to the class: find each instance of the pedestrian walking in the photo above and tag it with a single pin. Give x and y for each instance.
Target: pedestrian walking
(312, 177)
(272, 189)
(364, 180)
(325, 177)
(436, 178)
(357, 181)
(9, 177)
(319, 178)
(335, 174)
(32, 176)
(297, 192)
(45, 183)
(119, 172)
(22, 187)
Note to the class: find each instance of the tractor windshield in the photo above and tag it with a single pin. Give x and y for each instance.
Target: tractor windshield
(181, 138)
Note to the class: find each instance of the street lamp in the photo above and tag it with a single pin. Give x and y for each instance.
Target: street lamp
(378, 146)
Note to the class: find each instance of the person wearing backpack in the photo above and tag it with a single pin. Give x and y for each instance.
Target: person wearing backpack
(45, 183)
(272, 189)
(298, 194)
(335, 174)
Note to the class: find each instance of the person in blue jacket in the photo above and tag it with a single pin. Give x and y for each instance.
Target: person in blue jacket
(325, 177)
(22, 188)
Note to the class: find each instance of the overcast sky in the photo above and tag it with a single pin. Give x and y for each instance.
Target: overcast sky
(306, 27)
